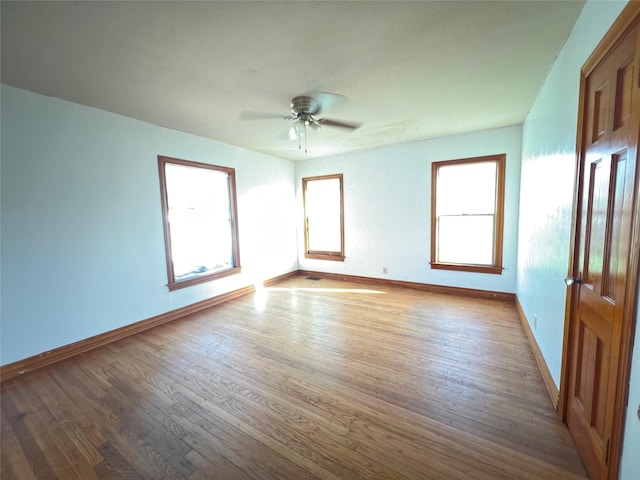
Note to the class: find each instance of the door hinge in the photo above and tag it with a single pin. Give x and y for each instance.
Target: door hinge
(606, 452)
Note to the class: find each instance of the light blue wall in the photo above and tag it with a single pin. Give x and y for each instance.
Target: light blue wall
(82, 242)
(548, 170)
(387, 208)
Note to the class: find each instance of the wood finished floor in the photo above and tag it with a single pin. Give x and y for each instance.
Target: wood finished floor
(307, 379)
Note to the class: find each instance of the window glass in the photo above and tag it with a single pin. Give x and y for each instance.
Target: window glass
(200, 221)
(468, 188)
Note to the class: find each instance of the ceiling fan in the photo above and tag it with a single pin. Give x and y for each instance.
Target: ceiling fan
(304, 109)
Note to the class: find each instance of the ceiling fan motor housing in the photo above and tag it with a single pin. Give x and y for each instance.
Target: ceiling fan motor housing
(304, 105)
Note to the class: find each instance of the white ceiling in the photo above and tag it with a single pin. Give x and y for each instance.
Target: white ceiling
(410, 70)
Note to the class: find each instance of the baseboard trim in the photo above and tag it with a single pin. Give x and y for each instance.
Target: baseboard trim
(425, 287)
(552, 389)
(279, 278)
(44, 359)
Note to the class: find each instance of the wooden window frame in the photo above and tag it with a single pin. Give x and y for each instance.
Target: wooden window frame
(316, 254)
(498, 229)
(174, 284)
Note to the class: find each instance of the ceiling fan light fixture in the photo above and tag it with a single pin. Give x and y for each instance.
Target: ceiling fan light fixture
(298, 131)
(299, 127)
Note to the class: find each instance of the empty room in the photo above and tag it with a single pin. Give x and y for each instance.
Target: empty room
(320, 240)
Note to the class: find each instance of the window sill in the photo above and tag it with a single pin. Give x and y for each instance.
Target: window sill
(337, 257)
(490, 269)
(206, 278)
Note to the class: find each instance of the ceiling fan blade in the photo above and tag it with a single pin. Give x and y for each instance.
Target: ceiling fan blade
(327, 100)
(338, 123)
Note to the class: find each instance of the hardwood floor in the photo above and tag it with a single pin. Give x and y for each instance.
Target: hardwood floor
(306, 379)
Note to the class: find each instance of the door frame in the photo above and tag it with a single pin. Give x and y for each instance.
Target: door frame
(627, 19)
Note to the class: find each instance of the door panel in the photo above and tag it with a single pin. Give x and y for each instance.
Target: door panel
(624, 92)
(600, 103)
(604, 232)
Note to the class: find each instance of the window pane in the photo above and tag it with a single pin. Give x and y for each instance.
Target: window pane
(322, 209)
(200, 221)
(466, 239)
(467, 188)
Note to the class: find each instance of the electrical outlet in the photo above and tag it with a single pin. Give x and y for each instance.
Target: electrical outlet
(535, 322)
(384, 270)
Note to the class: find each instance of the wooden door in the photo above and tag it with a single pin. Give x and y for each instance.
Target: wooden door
(604, 291)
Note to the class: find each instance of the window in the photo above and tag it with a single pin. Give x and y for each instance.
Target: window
(200, 221)
(323, 217)
(467, 210)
